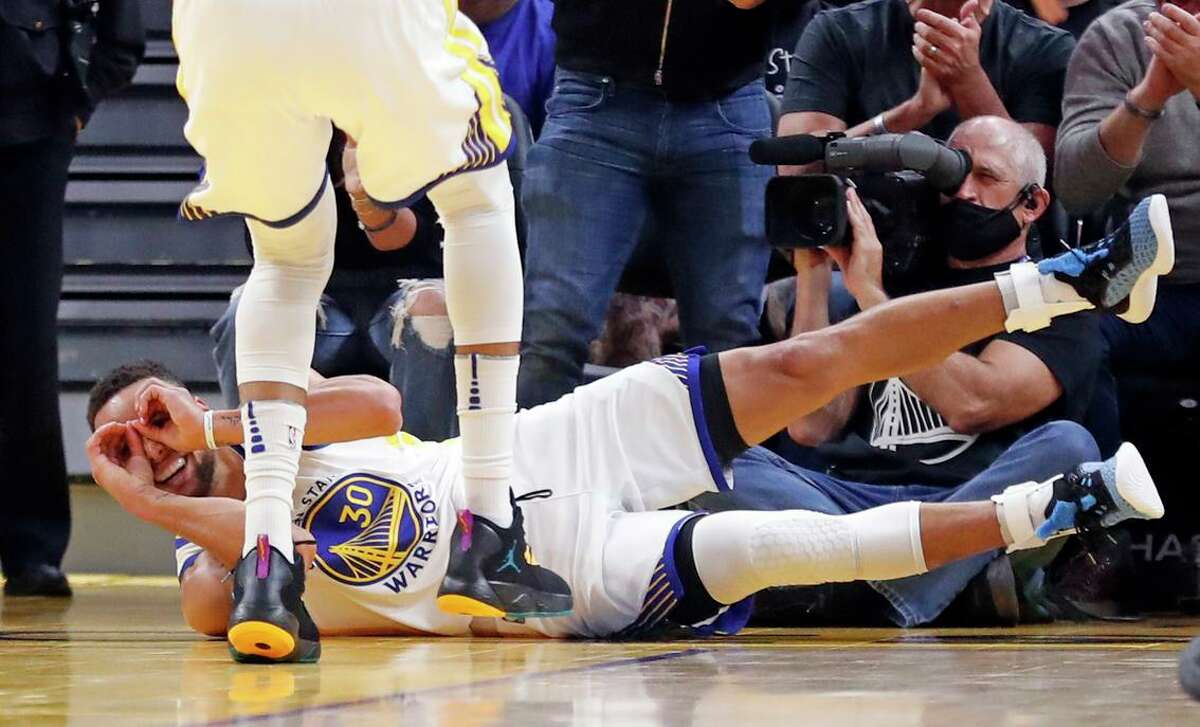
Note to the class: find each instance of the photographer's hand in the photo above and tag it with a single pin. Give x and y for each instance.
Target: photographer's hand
(862, 261)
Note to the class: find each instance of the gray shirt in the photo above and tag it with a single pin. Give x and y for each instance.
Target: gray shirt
(1109, 61)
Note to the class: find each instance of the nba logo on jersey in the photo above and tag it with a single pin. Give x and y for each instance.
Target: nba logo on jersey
(293, 438)
(370, 529)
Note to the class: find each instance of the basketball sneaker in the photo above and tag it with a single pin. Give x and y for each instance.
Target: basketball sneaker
(1119, 273)
(1089, 498)
(269, 622)
(492, 573)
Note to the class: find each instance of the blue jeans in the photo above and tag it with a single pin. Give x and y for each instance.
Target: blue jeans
(609, 158)
(1168, 342)
(765, 481)
(365, 329)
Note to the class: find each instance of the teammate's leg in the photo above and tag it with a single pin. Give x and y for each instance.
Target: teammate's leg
(483, 298)
(276, 322)
(736, 554)
(771, 386)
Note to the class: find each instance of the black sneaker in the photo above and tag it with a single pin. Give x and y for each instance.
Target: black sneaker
(1120, 272)
(269, 622)
(40, 580)
(492, 573)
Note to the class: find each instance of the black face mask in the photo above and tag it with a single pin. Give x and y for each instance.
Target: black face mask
(973, 232)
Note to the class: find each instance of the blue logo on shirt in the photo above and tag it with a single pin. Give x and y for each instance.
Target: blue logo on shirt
(369, 529)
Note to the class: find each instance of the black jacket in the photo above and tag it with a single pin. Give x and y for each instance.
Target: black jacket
(691, 49)
(58, 58)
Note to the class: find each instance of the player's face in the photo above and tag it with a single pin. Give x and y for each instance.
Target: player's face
(190, 475)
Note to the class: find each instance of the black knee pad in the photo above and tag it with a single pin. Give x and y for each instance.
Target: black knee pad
(696, 606)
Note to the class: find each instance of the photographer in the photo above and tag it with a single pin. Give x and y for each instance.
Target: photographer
(984, 414)
(57, 59)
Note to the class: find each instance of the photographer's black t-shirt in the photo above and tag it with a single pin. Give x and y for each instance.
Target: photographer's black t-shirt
(856, 62)
(895, 438)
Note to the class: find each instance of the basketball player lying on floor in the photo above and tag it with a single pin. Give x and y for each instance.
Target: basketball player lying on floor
(595, 468)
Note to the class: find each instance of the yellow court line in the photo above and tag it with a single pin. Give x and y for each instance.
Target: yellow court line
(108, 579)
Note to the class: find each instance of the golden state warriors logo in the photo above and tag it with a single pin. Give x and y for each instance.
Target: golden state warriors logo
(367, 528)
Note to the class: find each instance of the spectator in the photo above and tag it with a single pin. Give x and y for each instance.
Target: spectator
(994, 410)
(653, 112)
(521, 41)
(854, 69)
(57, 60)
(365, 324)
(1073, 16)
(1129, 130)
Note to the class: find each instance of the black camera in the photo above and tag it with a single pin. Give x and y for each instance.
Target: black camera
(899, 178)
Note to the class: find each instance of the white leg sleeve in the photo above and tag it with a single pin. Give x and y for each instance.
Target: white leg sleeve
(482, 265)
(484, 299)
(740, 553)
(276, 328)
(276, 320)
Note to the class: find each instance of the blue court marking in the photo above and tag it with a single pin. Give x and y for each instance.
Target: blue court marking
(402, 695)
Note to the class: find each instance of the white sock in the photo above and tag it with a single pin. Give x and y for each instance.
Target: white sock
(740, 553)
(1033, 298)
(274, 431)
(487, 405)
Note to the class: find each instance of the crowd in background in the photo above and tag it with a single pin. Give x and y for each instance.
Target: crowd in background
(641, 116)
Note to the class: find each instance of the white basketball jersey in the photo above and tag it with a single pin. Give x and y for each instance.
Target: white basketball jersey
(382, 511)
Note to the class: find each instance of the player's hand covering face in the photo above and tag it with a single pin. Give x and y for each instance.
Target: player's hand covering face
(171, 416)
(171, 434)
(119, 464)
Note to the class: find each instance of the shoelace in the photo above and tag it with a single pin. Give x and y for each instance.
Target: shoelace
(1089, 518)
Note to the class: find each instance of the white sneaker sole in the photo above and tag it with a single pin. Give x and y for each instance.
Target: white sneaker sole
(1145, 290)
(1135, 485)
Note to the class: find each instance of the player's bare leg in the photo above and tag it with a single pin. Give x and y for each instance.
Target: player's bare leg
(737, 554)
(491, 571)
(276, 324)
(771, 386)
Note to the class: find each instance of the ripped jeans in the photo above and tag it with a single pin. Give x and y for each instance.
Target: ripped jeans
(398, 332)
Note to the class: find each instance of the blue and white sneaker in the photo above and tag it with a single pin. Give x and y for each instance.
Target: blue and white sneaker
(1120, 272)
(1098, 495)
(1089, 498)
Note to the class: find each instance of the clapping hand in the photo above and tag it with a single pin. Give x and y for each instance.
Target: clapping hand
(948, 48)
(1173, 35)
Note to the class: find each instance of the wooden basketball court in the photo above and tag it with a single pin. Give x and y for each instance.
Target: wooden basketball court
(119, 653)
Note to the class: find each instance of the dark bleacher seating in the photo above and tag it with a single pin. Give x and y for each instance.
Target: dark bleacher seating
(138, 282)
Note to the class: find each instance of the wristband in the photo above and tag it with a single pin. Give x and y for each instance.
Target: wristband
(379, 228)
(1140, 112)
(877, 125)
(360, 201)
(210, 441)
